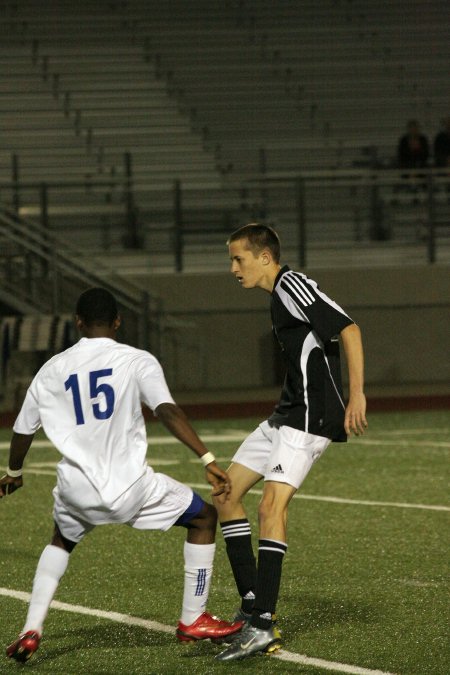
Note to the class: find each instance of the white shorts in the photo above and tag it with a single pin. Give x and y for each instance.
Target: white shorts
(166, 501)
(284, 454)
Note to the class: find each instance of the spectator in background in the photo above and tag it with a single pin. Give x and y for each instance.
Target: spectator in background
(442, 144)
(413, 148)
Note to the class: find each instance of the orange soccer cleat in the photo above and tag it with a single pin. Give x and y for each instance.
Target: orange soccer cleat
(24, 647)
(207, 627)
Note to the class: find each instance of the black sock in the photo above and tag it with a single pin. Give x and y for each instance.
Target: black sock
(270, 560)
(238, 541)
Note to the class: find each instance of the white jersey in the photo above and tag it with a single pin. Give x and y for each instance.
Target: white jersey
(88, 401)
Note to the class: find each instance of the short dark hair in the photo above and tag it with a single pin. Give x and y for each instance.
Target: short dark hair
(259, 237)
(97, 306)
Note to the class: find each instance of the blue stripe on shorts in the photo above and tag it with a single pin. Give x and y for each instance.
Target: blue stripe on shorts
(192, 510)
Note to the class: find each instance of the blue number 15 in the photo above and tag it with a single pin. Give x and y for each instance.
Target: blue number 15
(95, 389)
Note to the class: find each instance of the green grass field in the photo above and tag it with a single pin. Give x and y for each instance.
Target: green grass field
(364, 589)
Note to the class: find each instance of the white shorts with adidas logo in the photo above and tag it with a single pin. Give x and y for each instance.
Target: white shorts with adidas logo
(285, 455)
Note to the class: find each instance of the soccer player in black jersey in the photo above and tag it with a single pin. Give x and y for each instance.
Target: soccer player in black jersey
(310, 414)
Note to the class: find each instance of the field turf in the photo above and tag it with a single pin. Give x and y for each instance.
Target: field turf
(365, 578)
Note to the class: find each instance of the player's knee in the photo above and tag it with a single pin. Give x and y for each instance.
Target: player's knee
(270, 510)
(208, 520)
(62, 542)
(263, 511)
(226, 506)
(219, 505)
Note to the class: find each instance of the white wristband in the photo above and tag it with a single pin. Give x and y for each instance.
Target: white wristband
(207, 458)
(13, 474)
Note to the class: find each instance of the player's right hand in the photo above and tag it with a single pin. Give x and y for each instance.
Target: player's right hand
(8, 485)
(219, 480)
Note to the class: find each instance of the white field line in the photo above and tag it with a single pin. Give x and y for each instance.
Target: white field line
(342, 500)
(318, 498)
(157, 440)
(282, 655)
(403, 443)
(238, 437)
(407, 432)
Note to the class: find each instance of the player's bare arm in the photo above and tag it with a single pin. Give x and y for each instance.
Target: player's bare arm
(12, 480)
(355, 413)
(175, 421)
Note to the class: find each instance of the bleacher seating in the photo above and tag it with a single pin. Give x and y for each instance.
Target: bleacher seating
(334, 73)
(212, 94)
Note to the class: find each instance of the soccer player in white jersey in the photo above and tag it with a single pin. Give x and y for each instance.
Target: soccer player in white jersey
(88, 401)
(310, 414)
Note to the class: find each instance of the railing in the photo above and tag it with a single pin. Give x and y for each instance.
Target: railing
(350, 207)
(43, 273)
(132, 214)
(375, 204)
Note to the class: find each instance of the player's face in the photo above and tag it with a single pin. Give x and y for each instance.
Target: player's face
(245, 266)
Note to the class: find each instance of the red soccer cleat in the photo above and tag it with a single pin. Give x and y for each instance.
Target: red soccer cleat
(24, 647)
(207, 627)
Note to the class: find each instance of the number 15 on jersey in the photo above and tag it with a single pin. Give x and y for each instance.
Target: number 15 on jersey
(95, 388)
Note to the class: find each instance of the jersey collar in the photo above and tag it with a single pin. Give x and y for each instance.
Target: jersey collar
(284, 269)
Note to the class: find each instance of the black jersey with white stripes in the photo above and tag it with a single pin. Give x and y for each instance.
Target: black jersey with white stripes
(306, 323)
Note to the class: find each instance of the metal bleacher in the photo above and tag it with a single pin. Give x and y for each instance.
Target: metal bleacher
(327, 77)
(110, 103)
(77, 98)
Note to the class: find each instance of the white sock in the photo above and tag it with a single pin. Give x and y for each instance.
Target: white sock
(198, 565)
(51, 566)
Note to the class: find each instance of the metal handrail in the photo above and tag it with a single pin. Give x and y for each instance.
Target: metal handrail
(55, 247)
(62, 260)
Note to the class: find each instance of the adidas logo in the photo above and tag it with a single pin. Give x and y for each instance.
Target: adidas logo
(277, 469)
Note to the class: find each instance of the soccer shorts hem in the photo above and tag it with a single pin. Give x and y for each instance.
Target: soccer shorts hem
(167, 502)
(282, 454)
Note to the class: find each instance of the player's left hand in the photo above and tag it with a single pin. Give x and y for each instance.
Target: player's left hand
(219, 480)
(8, 485)
(355, 415)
